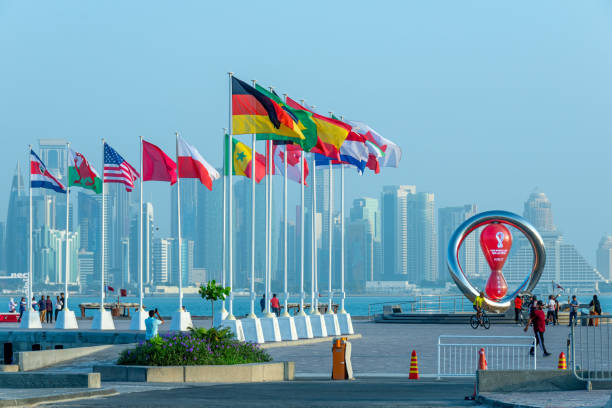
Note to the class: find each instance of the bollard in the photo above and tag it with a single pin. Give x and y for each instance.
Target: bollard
(414, 367)
(341, 359)
(482, 360)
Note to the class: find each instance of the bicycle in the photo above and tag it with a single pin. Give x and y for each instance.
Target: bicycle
(483, 321)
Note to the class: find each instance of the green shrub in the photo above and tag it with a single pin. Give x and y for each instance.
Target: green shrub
(198, 347)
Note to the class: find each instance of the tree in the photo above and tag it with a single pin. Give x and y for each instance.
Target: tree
(213, 292)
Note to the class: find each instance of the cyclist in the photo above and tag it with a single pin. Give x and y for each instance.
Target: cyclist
(478, 302)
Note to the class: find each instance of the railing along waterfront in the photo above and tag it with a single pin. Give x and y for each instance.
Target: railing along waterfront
(590, 348)
(458, 355)
(425, 304)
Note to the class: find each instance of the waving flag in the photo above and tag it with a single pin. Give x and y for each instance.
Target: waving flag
(192, 165)
(392, 152)
(117, 170)
(293, 162)
(241, 162)
(82, 174)
(156, 165)
(40, 176)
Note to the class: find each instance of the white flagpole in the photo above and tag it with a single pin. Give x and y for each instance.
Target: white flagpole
(302, 218)
(286, 294)
(267, 288)
(30, 277)
(102, 243)
(271, 161)
(140, 245)
(330, 226)
(178, 211)
(230, 315)
(313, 287)
(343, 294)
(67, 258)
(253, 199)
(224, 253)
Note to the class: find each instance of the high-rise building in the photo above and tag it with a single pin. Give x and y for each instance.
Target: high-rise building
(362, 243)
(187, 254)
(87, 260)
(2, 248)
(394, 230)
(208, 237)
(17, 221)
(162, 260)
(604, 257)
(539, 213)
(53, 153)
(49, 255)
(423, 249)
(449, 218)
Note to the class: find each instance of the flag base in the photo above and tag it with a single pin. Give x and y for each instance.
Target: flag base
(287, 328)
(181, 321)
(219, 317)
(66, 319)
(252, 330)
(138, 320)
(318, 325)
(271, 331)
(345, 322)
(303, 326)
(103, 320)
(331, 324)
(235, 326)
(30, 320)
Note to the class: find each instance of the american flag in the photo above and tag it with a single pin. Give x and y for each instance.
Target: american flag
(117, 170)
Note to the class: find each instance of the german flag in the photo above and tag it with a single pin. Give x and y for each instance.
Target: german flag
(254, 112)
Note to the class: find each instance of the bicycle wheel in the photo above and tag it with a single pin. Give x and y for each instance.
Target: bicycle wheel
(474, 322)
(486, 323)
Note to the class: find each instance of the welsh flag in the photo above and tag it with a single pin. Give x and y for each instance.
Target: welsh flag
(82, 174)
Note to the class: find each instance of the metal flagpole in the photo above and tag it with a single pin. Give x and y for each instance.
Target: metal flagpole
(30, 277)
(286, 294)
(140, 291)
(313, 286)
(267, 288)
(224, 253)
(302, 218)
(342, 294)
(330, 226)
(67, 258)
(271, 161)
(102, 243)
(253, 199)
(178, 211)
(230, 315)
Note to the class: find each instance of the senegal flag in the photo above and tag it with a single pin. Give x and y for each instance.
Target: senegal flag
(254, 112)
(301, 117)
(242, 161)
(82, 174)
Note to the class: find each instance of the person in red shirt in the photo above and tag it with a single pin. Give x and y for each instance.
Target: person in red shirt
(518, 305)
(275, 305)
(539, 327)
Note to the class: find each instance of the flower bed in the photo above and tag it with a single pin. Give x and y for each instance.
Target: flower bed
(198, 347)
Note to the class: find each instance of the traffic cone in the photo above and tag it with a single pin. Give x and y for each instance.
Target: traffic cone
(562, 362)
(414, 367)
(482, 360)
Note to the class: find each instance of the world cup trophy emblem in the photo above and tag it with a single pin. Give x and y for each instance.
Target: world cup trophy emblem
(495, 242)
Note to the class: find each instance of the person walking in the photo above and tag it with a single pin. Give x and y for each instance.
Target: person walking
(49, 308)
(63, 300)
(518, 305)
(550, 314)
(42, 308)
(557, 309)
(595, 309)
(573, 310)
(58, 306)
(152, 324)
(539, 327)
(275, 305)
(12, 305)
(262, 303)
(22, 307)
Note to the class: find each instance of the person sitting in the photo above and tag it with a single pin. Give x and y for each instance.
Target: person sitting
(478, 303)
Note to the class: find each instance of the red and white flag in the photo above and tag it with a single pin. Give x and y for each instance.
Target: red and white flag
(41, 177)
(293, 162)
(191, 164)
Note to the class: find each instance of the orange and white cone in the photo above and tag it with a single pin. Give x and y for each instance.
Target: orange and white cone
(482, 360)
(414, 367)
(562, 362)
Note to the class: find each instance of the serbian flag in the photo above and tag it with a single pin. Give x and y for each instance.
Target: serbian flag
(293, 162)
(40, 176)
(156, 165)
(192, 165)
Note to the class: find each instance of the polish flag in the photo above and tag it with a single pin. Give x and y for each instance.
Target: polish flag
(191, 164)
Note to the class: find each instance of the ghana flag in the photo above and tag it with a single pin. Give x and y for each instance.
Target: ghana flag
(301, 117)
(242, 160)
(254, 112)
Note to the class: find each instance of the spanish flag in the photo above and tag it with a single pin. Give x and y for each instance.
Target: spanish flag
(242, 161)
(253, 112)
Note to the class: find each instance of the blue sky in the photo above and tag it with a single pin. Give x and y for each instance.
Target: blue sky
(487, 99)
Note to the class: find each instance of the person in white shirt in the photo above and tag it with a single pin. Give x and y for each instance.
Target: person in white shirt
(550, 315)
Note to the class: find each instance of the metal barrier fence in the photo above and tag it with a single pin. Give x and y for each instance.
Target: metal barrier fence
(458, 355)
(591, 348)
(426, 304)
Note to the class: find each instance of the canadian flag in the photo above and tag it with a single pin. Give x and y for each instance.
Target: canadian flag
(191, 164)
(293, 162)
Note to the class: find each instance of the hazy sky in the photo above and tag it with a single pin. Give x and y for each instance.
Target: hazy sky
(488, 99)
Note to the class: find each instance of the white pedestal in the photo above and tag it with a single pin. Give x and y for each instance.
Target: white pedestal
(345, 322)
(235, 326)
(252, 330)
(271, 331)
(286, 324)
(317, 322)
(331, 324)
(181, 321)
(219, 317)
(303, 326)
(138, 320)
(30, 320)
(66, 319)
(103, 320)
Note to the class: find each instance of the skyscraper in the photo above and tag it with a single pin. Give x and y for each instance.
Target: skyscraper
(394, 230)
(604, 257)
(363, 233)
(208, 250)
(422, 238)
(17, 221)
(2, 248)
(449, 218)
(162, 256)
(539, 213)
